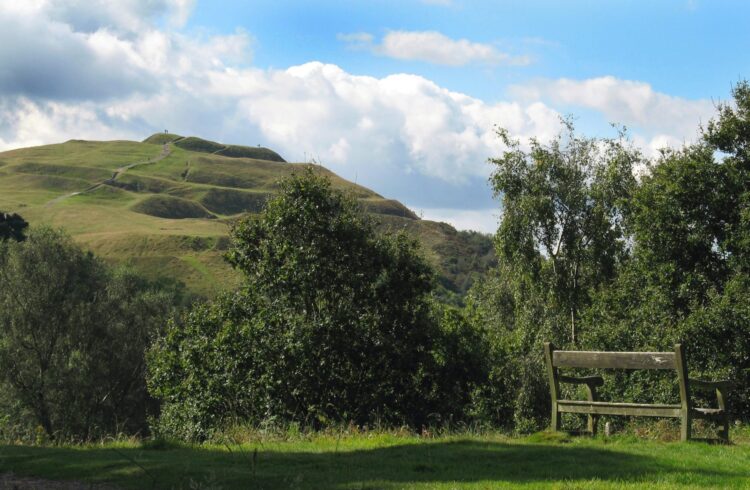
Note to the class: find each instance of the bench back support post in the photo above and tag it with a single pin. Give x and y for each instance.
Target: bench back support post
(554, 385)
(724, 432)
(592, 420)
(682, 377)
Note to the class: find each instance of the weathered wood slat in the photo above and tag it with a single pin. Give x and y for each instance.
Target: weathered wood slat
(609, 408)
(725, 385)
(715, 414)
(613, 360)
(554, 385)
(585, 380)
(682, 379)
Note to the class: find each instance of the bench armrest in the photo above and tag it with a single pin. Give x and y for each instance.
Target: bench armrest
(722, 389)
(722, 385)
(591, 381)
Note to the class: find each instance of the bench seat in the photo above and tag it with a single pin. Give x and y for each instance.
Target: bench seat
(617, 408)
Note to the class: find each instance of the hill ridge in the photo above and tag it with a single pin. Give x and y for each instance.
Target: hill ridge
(194, 143)
(166, 209)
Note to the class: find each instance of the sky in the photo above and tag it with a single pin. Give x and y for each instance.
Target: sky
(401, 96)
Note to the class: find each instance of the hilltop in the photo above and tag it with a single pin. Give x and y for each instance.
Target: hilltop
(164, 205)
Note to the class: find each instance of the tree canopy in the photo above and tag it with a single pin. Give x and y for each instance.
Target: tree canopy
(333, 323)
(72, 338)
(631, 255)
(564, 207)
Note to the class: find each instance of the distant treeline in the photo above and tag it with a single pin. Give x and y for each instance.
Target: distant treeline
(598, 248)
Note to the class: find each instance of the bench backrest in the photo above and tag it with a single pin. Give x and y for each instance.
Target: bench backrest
(617, 360)
(614, 360)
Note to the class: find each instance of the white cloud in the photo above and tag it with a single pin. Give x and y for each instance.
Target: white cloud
(661, 117)
(180, 11)
(83, 77)
(101, 50)
(356, 39)
(431, 47)
(400, 120)
(122, 16)
(69, 72)
(27, 123)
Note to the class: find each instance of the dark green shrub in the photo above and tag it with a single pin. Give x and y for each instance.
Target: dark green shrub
(12, 227)
(72, 339)
(333, 325)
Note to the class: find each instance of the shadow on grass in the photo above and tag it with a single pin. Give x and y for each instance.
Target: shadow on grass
(394, 466)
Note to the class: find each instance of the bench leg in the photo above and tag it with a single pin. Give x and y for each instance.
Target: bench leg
(685, 429)
(592, 423)
(724, 432)
(592, 419)
(555, 425)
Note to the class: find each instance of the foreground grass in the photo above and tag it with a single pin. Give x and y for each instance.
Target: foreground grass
(393, 461)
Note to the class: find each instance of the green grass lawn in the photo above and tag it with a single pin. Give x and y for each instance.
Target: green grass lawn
(394, 461)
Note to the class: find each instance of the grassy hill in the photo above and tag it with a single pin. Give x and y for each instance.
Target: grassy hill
(164, 205)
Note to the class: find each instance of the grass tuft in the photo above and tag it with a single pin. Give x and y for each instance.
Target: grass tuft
(161, 444)
(547, 437)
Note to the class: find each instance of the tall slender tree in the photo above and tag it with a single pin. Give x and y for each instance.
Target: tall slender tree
(564, 210)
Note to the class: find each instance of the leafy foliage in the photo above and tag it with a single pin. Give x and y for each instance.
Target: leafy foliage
(564, 206)
(628, 265)
(72, 338)
(689, 269)
(561, 237)
(465, 256)
(333, 324)
(688, 280)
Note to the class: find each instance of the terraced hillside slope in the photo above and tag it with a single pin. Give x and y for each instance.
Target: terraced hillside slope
(165, 205)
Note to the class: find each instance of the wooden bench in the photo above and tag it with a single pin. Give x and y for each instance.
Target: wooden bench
(593, 407)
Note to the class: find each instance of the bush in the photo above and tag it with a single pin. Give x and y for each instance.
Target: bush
(12, 227)
(333, 324)
(72, 339)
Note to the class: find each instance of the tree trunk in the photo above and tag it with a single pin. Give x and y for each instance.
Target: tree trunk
(43, 414)
(573, 325)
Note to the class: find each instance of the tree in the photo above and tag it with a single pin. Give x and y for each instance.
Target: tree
(72, 338)
(637, 264)
(681, 222)
(688, 278)
(332, 324)
(563, 234)
(12, 227)
(729, 135)
(564, 206)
